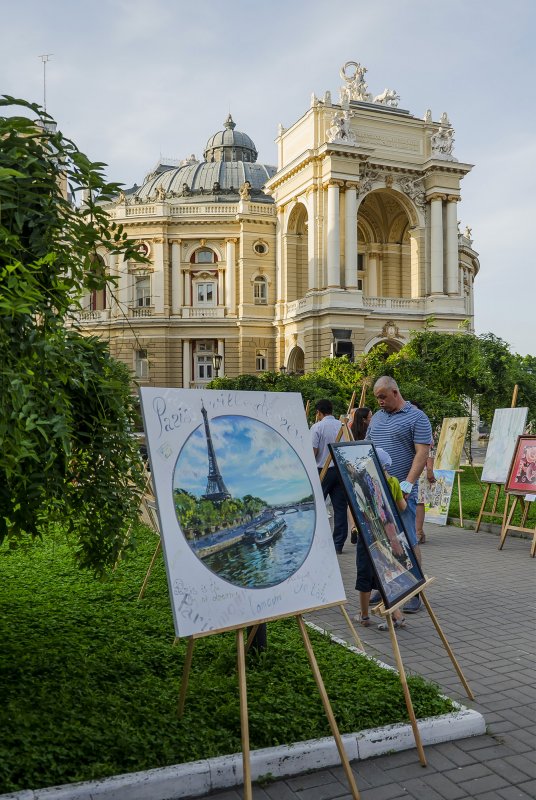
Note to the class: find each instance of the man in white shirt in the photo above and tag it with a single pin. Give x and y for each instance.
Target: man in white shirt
(324, 432)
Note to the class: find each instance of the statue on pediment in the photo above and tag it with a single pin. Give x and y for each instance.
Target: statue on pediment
(355, 87)
(388, 97)
(339, 131)
(245, 191)
(443, 143)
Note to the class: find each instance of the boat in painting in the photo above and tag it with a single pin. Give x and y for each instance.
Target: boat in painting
(267, 533)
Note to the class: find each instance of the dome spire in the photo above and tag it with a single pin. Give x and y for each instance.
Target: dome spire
(229, 123)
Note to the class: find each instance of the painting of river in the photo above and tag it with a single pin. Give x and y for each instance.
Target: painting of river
(254, 566)
(244, 501)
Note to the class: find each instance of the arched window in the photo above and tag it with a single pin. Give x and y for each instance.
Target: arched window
(260, 291)
(203, 256)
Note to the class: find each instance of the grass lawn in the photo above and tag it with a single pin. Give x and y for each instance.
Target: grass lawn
(90, 677)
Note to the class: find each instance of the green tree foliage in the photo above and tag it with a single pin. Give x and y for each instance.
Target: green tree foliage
(445, 373)
(66, 409)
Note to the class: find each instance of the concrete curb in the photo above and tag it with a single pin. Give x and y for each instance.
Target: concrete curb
(197, 778)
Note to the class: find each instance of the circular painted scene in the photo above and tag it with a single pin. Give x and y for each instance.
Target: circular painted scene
(244, 501)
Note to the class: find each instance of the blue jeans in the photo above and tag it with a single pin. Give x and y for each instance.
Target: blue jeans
(408, 518)
(332, 485)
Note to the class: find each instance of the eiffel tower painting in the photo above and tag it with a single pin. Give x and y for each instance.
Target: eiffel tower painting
(216, 489)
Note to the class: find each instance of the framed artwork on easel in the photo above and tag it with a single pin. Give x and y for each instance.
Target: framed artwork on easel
(522, 474)
(378, 520)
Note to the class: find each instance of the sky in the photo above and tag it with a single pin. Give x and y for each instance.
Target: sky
(130, 81)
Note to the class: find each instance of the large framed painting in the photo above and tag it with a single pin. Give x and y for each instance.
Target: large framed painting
(507, 425)
(450, 445)
(522, 476)
(437, 496)
(244, 526)
(378, 520)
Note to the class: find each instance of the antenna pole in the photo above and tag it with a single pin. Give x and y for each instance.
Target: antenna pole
(44, 58)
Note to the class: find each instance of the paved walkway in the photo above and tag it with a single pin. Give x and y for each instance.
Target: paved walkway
(485, 602)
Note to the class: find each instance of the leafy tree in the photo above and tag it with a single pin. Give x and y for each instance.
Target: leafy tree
(66, 409)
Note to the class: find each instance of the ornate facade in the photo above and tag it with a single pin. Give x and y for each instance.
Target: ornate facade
(352, 240)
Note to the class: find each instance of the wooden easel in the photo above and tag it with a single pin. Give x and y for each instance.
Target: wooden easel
(241, 650)
(519, 500)
(459, 471)
(388, 614)
(494, 513)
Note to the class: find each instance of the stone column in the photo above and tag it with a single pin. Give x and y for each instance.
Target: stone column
(436, 244)
(125, 294)
(176, 277)
(333, 237)
(158, 287)
(230, 258)
(372, 274)
(311, 213)
(279, 256)
(350, 236)
(452, 245)
(186, 366)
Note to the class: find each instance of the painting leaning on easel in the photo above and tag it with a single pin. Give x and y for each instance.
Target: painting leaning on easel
(437, 496)
(244, 526)
(522, 476)
(378, 521)
(507, 425)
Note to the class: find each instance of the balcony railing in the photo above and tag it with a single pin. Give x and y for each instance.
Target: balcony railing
(140, 311)
(394, 303)
(93, 316)
(203, 313)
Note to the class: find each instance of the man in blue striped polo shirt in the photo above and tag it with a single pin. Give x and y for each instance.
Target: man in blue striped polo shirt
(405, 433)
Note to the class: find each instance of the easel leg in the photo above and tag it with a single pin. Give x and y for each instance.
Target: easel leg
(357, 640)
(327, 708)
(460, 500)
(482, 507)
(526, 507)
(533, 545)
(185, 676)
(451, 655)
(405, 689)
(505, 512)
(251, 636)
(508, 521)
(244, 724)
(148, 574)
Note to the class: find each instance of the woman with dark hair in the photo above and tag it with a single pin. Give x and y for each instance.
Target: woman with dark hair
(358, 428)
(360, 423)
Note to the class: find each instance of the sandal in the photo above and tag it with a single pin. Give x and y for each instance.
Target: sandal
(364, 621)
(421, 539)
(353, 536)
(398, 623)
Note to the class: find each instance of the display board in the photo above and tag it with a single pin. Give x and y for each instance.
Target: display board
(450, 445)
(507, 425)
(437, 497)
(376, 516)
(244, 525)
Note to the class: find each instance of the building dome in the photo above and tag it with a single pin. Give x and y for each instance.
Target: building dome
(230, 145)
(230, 162)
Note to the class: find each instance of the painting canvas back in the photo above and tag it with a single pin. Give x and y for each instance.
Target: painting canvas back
(508, 424)
(244, 526)
(450, 444)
